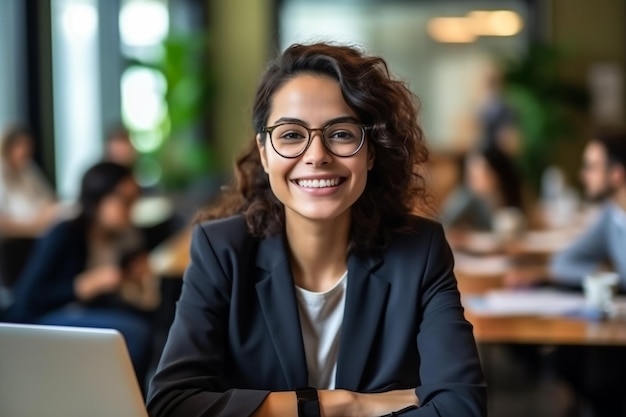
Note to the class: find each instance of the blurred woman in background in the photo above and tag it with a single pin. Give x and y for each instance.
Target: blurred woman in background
(27, 203)
(91, 271)
(490, 182)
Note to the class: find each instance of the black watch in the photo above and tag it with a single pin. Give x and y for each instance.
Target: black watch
(308, 402)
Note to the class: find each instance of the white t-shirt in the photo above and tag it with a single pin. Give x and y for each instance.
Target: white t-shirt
(321, 316)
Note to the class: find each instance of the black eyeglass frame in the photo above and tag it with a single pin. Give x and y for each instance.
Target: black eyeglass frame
(322, 130)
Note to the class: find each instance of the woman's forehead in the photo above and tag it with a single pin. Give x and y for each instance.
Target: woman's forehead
(313, 99)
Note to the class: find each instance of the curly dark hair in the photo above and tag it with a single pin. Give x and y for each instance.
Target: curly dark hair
(395, 187)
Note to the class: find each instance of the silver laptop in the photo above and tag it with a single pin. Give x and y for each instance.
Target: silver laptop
(66, 372)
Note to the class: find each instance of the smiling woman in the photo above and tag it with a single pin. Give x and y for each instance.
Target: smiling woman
(312, 271)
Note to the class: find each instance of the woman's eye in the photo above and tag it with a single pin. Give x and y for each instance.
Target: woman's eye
(292, 136)
(341, 134)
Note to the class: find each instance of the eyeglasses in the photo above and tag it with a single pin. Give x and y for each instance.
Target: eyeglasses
(342, 139)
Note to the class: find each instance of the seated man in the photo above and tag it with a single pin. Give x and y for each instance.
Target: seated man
(596, 373)
(604, 177)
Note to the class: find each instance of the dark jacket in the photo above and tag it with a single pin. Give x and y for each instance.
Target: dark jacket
(237, 336)
(47, 282)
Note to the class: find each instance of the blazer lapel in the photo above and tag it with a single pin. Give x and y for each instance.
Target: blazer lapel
(277, 298)
(365, 300)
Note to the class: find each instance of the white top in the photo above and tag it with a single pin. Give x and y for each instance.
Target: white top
(321, 316)
(23, 194)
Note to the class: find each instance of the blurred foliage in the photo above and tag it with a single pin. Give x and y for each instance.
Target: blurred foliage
(547, 105)
(184, 155)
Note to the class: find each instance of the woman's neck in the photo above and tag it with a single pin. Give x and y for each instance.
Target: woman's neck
(318, 250)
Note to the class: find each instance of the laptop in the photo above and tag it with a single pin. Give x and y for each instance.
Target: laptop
(66, 372)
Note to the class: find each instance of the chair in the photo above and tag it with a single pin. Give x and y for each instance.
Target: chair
(14, 253)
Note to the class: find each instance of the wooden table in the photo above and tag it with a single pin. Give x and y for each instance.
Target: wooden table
(170, 259)
(546, 330)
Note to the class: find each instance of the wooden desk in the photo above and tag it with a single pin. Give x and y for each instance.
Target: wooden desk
(170, 259)
(546, 331)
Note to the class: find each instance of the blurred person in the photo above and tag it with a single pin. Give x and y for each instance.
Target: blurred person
(27, 202)
(489, 121)
(154, 213)
(119, 148)
(498, 121)
(91, 271)
(489, 182)
(603, 175)
(314, 290)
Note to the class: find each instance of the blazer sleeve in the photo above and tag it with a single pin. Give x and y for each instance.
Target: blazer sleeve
(452, 379)
(43, 286)
(189, 380)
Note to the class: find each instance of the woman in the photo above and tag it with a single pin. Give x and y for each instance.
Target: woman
(27, 204)
(91, 271)
(490, 183)
(321, 277)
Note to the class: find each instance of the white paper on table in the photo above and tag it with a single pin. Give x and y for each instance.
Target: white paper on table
(485, 266)
(526, 302)
(482, 242)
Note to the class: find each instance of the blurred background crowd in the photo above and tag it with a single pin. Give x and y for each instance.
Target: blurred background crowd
(121, 118)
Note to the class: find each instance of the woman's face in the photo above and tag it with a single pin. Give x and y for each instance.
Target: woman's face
(114, 212)
(314, 101)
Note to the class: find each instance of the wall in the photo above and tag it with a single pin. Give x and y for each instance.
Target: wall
(12, 99)
(241, 35)
(594, 32)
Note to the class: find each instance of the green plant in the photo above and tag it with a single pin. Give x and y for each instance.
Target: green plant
(546, 103)
(183, 154)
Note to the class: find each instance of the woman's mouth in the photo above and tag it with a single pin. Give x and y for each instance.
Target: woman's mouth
(319, 183)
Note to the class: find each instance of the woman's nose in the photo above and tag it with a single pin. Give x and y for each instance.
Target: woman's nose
(317, 154)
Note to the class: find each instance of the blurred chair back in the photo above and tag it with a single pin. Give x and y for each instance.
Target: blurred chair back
(14, 253)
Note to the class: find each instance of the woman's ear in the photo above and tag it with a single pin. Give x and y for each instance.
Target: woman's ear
(371, 157)
(262, 154)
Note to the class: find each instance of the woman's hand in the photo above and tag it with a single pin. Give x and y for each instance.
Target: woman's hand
(97, 281)
(380, 404)
(340, 403)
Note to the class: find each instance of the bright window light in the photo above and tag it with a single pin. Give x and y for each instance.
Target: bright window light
(143, 22)
(79, 20)
(476, 23)
(143, 107)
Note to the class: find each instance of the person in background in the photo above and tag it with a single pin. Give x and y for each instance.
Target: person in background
(91, 271)
(119, 148)
(603, 175)
(489, 182)
(596, 373)
(27, 202)
(497, 118)
(155, 214)
(314, 290)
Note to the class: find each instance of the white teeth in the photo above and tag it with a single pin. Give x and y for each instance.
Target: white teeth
(323, 183)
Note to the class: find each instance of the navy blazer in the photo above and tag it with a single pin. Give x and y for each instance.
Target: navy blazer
(236, 335)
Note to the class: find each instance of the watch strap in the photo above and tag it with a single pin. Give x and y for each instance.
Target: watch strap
(308, 402)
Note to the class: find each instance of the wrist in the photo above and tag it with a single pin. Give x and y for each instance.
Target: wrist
(80, 288)
(308, 402)
(338, 403)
